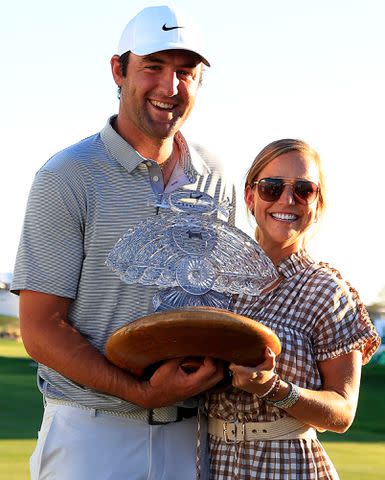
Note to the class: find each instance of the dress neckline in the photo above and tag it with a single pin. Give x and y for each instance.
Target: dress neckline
(295, 263)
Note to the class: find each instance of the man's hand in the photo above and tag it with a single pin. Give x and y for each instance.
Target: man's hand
(170, 383)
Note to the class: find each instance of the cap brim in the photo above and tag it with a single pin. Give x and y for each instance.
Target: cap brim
(169, 46)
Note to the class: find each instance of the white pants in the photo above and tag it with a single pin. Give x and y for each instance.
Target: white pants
(77, 444)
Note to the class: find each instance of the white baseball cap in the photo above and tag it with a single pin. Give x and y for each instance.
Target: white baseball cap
(155, 29)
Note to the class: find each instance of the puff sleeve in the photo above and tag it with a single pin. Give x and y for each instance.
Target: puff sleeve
(344, 324)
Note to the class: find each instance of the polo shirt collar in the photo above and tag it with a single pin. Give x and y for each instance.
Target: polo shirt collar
(129, 158)
(118, 148)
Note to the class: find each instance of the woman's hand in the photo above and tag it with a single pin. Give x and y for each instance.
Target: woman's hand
(257, 379)
(332, 408)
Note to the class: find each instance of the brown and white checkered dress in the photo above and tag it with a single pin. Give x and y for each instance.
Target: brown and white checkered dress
(317, 316)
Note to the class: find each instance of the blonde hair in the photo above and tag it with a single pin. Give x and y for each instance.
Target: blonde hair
(279, 147)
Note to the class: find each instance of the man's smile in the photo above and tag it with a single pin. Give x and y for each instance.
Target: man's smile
(162, 105)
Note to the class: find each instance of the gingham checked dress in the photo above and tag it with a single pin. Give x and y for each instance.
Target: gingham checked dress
(317, 316)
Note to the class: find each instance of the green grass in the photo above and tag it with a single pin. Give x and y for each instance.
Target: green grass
(10, 348)
(369, 424)
(358, 455)
(20, 410)
(356, 460)
(21, 403)
(14, 455)
(8, 322)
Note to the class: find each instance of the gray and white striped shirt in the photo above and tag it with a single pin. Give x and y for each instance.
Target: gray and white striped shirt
(81, 202)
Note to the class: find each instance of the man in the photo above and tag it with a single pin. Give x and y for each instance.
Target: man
(101, 422)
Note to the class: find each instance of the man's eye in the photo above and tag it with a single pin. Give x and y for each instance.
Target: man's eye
(152, 67)
(185, 73)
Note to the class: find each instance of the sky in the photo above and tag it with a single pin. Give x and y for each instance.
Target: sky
(309, 69)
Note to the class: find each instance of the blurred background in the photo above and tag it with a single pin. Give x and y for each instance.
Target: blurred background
(307, 69)
(280, 68)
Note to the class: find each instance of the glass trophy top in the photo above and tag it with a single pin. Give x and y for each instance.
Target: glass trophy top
(193, 202)
(190, 251)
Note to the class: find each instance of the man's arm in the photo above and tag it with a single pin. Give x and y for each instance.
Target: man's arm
(52, 341)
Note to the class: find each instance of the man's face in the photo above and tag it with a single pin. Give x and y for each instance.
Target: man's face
(159, 91)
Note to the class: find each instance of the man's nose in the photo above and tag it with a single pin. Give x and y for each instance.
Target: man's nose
(169, 83)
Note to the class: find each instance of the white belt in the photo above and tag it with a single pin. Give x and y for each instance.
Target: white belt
(156, 416)
(282, 429)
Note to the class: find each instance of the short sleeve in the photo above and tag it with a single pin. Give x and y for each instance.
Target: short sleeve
(50, 253)
(344, 325)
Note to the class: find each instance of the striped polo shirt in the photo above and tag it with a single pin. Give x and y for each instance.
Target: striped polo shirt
(81, 202)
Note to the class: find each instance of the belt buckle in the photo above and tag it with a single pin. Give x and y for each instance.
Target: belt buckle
(225, 433)
(151, 420)
(234, 432)
(180, 414)
(186, 412)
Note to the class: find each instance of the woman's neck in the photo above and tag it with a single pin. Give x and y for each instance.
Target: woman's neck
(277, 253)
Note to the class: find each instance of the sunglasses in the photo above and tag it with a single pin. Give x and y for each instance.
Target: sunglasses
(271, 189)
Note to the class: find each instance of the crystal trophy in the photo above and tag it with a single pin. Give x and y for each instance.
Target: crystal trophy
(194, 258)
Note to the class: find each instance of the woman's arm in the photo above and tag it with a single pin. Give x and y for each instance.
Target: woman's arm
(332, 408)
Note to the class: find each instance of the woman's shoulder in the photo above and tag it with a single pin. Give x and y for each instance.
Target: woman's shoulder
(301, 267)
(342, 321)
(331, 278)
(318, 286)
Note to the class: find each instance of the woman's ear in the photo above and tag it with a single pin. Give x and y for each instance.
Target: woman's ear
(249, 198)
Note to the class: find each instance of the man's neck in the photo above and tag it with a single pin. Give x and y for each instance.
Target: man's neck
(158, 149)
(168, 165)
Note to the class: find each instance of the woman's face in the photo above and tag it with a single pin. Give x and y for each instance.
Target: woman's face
(284, 222)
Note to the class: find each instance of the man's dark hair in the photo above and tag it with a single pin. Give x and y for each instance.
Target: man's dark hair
(124, 63)
(123, 67)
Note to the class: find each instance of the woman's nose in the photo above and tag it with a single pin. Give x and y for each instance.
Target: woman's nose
(287, 196)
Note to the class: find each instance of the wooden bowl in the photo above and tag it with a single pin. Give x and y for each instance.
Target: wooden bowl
(190, 332)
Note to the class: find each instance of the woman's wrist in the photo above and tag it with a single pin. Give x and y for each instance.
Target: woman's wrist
(273, 388)
(287, 401)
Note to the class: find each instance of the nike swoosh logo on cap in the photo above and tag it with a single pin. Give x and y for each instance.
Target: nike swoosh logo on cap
(166, 29)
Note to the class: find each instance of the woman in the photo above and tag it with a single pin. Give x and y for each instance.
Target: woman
(265, 425)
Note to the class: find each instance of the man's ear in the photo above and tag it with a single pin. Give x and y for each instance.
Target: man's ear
(249, 198)
(116, 70)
